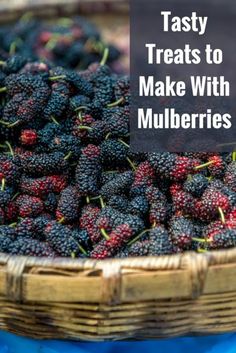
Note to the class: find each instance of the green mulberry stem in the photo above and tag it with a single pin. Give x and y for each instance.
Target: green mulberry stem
(107, 136)
(3, 184)
(95, 198)
(201, 250)
(200, 240)
(55, 78)
(4, 123)
(14, 124)
(204, 165)
(68, 156)
(124, 143)
(83, 127)
(10, 148)
(210, 178)
(104, 57)
(101, 202)
(81, 107)
(73, 255)
(114, 104)
(15, 196)
(138, 237)
(87, 199)
(234, 156)
(13, 225)
(131, 163)
(104, 233)
(61, 220)
(222, 216)
(82, 250)
(80, 116)
(9, 125)
(54, 120)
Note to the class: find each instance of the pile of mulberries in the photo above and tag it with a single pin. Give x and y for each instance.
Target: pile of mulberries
(70, 185)
(68, 42)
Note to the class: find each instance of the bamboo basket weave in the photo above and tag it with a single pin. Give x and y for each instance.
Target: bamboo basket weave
(133, 298)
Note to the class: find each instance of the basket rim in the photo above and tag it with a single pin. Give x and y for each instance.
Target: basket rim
(113, 281)
(33, 6)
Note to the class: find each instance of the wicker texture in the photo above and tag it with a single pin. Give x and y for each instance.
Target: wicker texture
(119, 299)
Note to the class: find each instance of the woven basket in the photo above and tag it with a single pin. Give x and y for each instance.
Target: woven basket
(133, 298)
(130, 298)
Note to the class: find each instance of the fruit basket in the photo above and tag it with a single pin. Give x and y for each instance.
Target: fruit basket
(132, 298)
(119, 299)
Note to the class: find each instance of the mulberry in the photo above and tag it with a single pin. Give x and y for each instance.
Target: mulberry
(159, 207)
(50, 203)
(116, 122)
(78, 101)
(30, 247)
(29, 206)
(75, 80)
(28, 137)
(88, 221)
(160, 243)
(14, 64)
(212, 202)
(68, 205)
(121, 183)
(58, 101)
(88, 171)
(10, 170)
(82, 237)
(113, 152)
(60, 239)
(144, 175)
(67, 144)
(217, 166)
(122, 90)
(2, 216)
(139, 248)
(196, 185)
(5, 196)
(44, 164)
(224, 239)
(117, 239)
(181, 232)
(44, 185)
(162, 163)
(138, 206)
(119, 203)
(184, 202)
(230, 176)
(7, 236)
(115, 218)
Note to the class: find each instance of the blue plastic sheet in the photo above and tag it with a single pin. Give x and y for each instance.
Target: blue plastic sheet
(10, 343)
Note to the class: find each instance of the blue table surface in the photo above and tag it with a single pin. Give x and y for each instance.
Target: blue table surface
(226, 343)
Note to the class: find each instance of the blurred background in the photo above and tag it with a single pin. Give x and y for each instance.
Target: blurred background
(110, 17)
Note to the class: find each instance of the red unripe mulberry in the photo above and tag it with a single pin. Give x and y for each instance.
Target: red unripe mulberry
(28, 137)
(29, 206)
